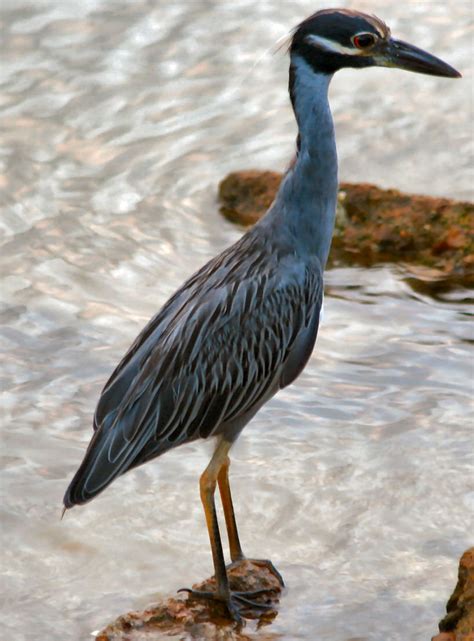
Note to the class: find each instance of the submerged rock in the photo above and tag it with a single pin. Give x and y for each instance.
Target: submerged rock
(433, 237)
(198, 620)
(458, 624)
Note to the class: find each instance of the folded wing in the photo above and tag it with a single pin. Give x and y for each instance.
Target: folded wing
(211, 355)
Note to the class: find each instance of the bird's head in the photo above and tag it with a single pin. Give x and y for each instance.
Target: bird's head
(335, 38)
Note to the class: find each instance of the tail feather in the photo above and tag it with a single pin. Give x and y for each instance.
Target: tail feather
(125, 438)
(80, 489)
(97, 469)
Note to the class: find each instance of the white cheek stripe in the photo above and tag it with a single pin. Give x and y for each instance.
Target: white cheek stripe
(330, 45)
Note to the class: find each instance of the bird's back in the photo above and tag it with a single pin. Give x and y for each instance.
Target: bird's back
(238, 330)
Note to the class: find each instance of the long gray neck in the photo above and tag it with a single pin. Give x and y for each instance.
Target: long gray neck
(306, 201)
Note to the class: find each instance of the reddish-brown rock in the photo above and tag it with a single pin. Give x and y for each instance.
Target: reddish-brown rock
(434, 237)
(459, 620)
(200, 620)
(245, 196)
(458, 624)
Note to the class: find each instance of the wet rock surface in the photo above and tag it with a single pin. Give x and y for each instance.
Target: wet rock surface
(458, 624)
(432, 237)
(183, 617)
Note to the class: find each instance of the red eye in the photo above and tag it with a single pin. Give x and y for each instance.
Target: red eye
(364, 40)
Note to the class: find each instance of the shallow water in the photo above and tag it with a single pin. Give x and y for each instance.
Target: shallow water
(118, 120)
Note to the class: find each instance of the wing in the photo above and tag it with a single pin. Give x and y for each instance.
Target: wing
(217, 350)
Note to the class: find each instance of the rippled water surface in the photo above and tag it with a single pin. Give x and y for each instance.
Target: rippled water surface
(118, 119)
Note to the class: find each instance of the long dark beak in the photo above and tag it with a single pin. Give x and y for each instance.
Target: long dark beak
(402, 55)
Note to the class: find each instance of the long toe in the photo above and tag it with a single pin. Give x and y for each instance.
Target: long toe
(247, 604)
(199, 594)
(253, 593)
(238, 604)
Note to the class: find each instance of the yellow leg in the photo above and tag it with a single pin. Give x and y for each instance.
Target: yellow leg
(236, 553)
(236, 602)
(207, 485)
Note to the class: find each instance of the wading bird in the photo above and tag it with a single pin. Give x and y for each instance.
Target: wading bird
(244, 326)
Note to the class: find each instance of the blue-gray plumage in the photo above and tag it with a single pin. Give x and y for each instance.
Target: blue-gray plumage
(219, 349)
(244, 326)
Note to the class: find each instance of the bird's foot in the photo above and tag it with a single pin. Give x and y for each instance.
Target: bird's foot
(263, 563)
(238, 604)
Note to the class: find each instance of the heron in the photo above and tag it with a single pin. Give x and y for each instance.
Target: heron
(244, 325)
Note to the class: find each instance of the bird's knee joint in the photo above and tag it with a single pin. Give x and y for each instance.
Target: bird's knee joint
(207, 484)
